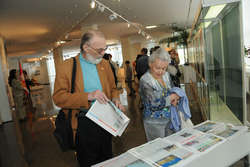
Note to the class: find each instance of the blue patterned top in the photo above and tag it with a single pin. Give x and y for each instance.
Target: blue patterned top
(155, 97)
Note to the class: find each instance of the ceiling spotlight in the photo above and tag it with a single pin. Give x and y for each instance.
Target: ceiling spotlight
(128, 25)
(61, 42)
(148, 37)
(113, 16)
(92, 4)
(100, 8)
(150, 27)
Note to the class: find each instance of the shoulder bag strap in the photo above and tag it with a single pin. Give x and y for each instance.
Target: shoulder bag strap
(73, 78)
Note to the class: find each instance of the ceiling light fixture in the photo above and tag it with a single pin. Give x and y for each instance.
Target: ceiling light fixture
(61, 42)
(100, 8)
(92, 4)
(150, 27)
(214, 11)
(112, 17)
(128, 25)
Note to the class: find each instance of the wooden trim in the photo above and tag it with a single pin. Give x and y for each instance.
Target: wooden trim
(195, 22)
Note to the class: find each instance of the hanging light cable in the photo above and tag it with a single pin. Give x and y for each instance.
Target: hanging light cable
(189, 7)
(114, 15)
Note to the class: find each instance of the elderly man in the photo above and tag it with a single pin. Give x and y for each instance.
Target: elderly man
(94, 81)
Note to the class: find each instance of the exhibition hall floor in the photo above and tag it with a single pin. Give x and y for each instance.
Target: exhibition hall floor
(40, 148)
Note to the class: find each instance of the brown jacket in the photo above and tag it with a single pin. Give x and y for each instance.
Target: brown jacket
(79, 99)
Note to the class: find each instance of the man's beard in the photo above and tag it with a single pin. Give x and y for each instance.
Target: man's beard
(93, 60)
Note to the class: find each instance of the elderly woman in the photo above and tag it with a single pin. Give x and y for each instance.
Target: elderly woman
(154, 87)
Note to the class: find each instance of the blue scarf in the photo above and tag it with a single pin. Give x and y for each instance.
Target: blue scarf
(183, 106)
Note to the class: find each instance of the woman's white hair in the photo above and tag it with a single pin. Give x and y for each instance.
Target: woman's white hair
(161, 54)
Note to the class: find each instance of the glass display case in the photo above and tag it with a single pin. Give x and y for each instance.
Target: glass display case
(215, 51)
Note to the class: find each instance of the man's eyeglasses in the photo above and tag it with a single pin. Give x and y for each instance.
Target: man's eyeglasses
(100, 50)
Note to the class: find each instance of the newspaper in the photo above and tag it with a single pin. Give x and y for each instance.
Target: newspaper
(161, 153)
(184, 136)
(221, 129)
(209, 126)
(204, 143)
(109, 117)
(178, 149)
(231, 131)
(196, 140)
(124, 160)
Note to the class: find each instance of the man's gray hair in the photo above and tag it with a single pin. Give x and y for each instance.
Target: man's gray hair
(161, 54)
(88, 36)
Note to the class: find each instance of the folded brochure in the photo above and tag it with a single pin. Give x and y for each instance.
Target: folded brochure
(109, 117)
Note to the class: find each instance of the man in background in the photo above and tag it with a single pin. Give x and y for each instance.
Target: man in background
(142, 63)
(108, 57)
(128, 78)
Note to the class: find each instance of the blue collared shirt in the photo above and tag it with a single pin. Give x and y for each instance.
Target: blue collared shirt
(90, 75)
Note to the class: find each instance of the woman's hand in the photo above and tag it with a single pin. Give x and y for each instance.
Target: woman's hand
(174, 99)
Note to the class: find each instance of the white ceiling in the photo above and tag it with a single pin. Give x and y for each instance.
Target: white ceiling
(32, 26)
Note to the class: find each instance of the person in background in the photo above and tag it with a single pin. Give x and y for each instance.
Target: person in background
(108, 57)
(128, 78)
(27, 80)
(154, 87)
(174, 56)
(28, 100)
(133, 68)
(152, 50)
(94, 81)
(175, 62)
(18, 92)
(141, 63)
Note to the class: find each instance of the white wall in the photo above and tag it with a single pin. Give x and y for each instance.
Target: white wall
(246, 23)
(5, 114)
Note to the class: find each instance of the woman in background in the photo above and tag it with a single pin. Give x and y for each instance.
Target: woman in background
(18, 92)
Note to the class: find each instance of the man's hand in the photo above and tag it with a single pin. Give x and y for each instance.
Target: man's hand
(174, 99)
(119, 105)
(99, 96)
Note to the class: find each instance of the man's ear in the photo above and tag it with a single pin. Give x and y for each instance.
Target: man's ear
(85, 47)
